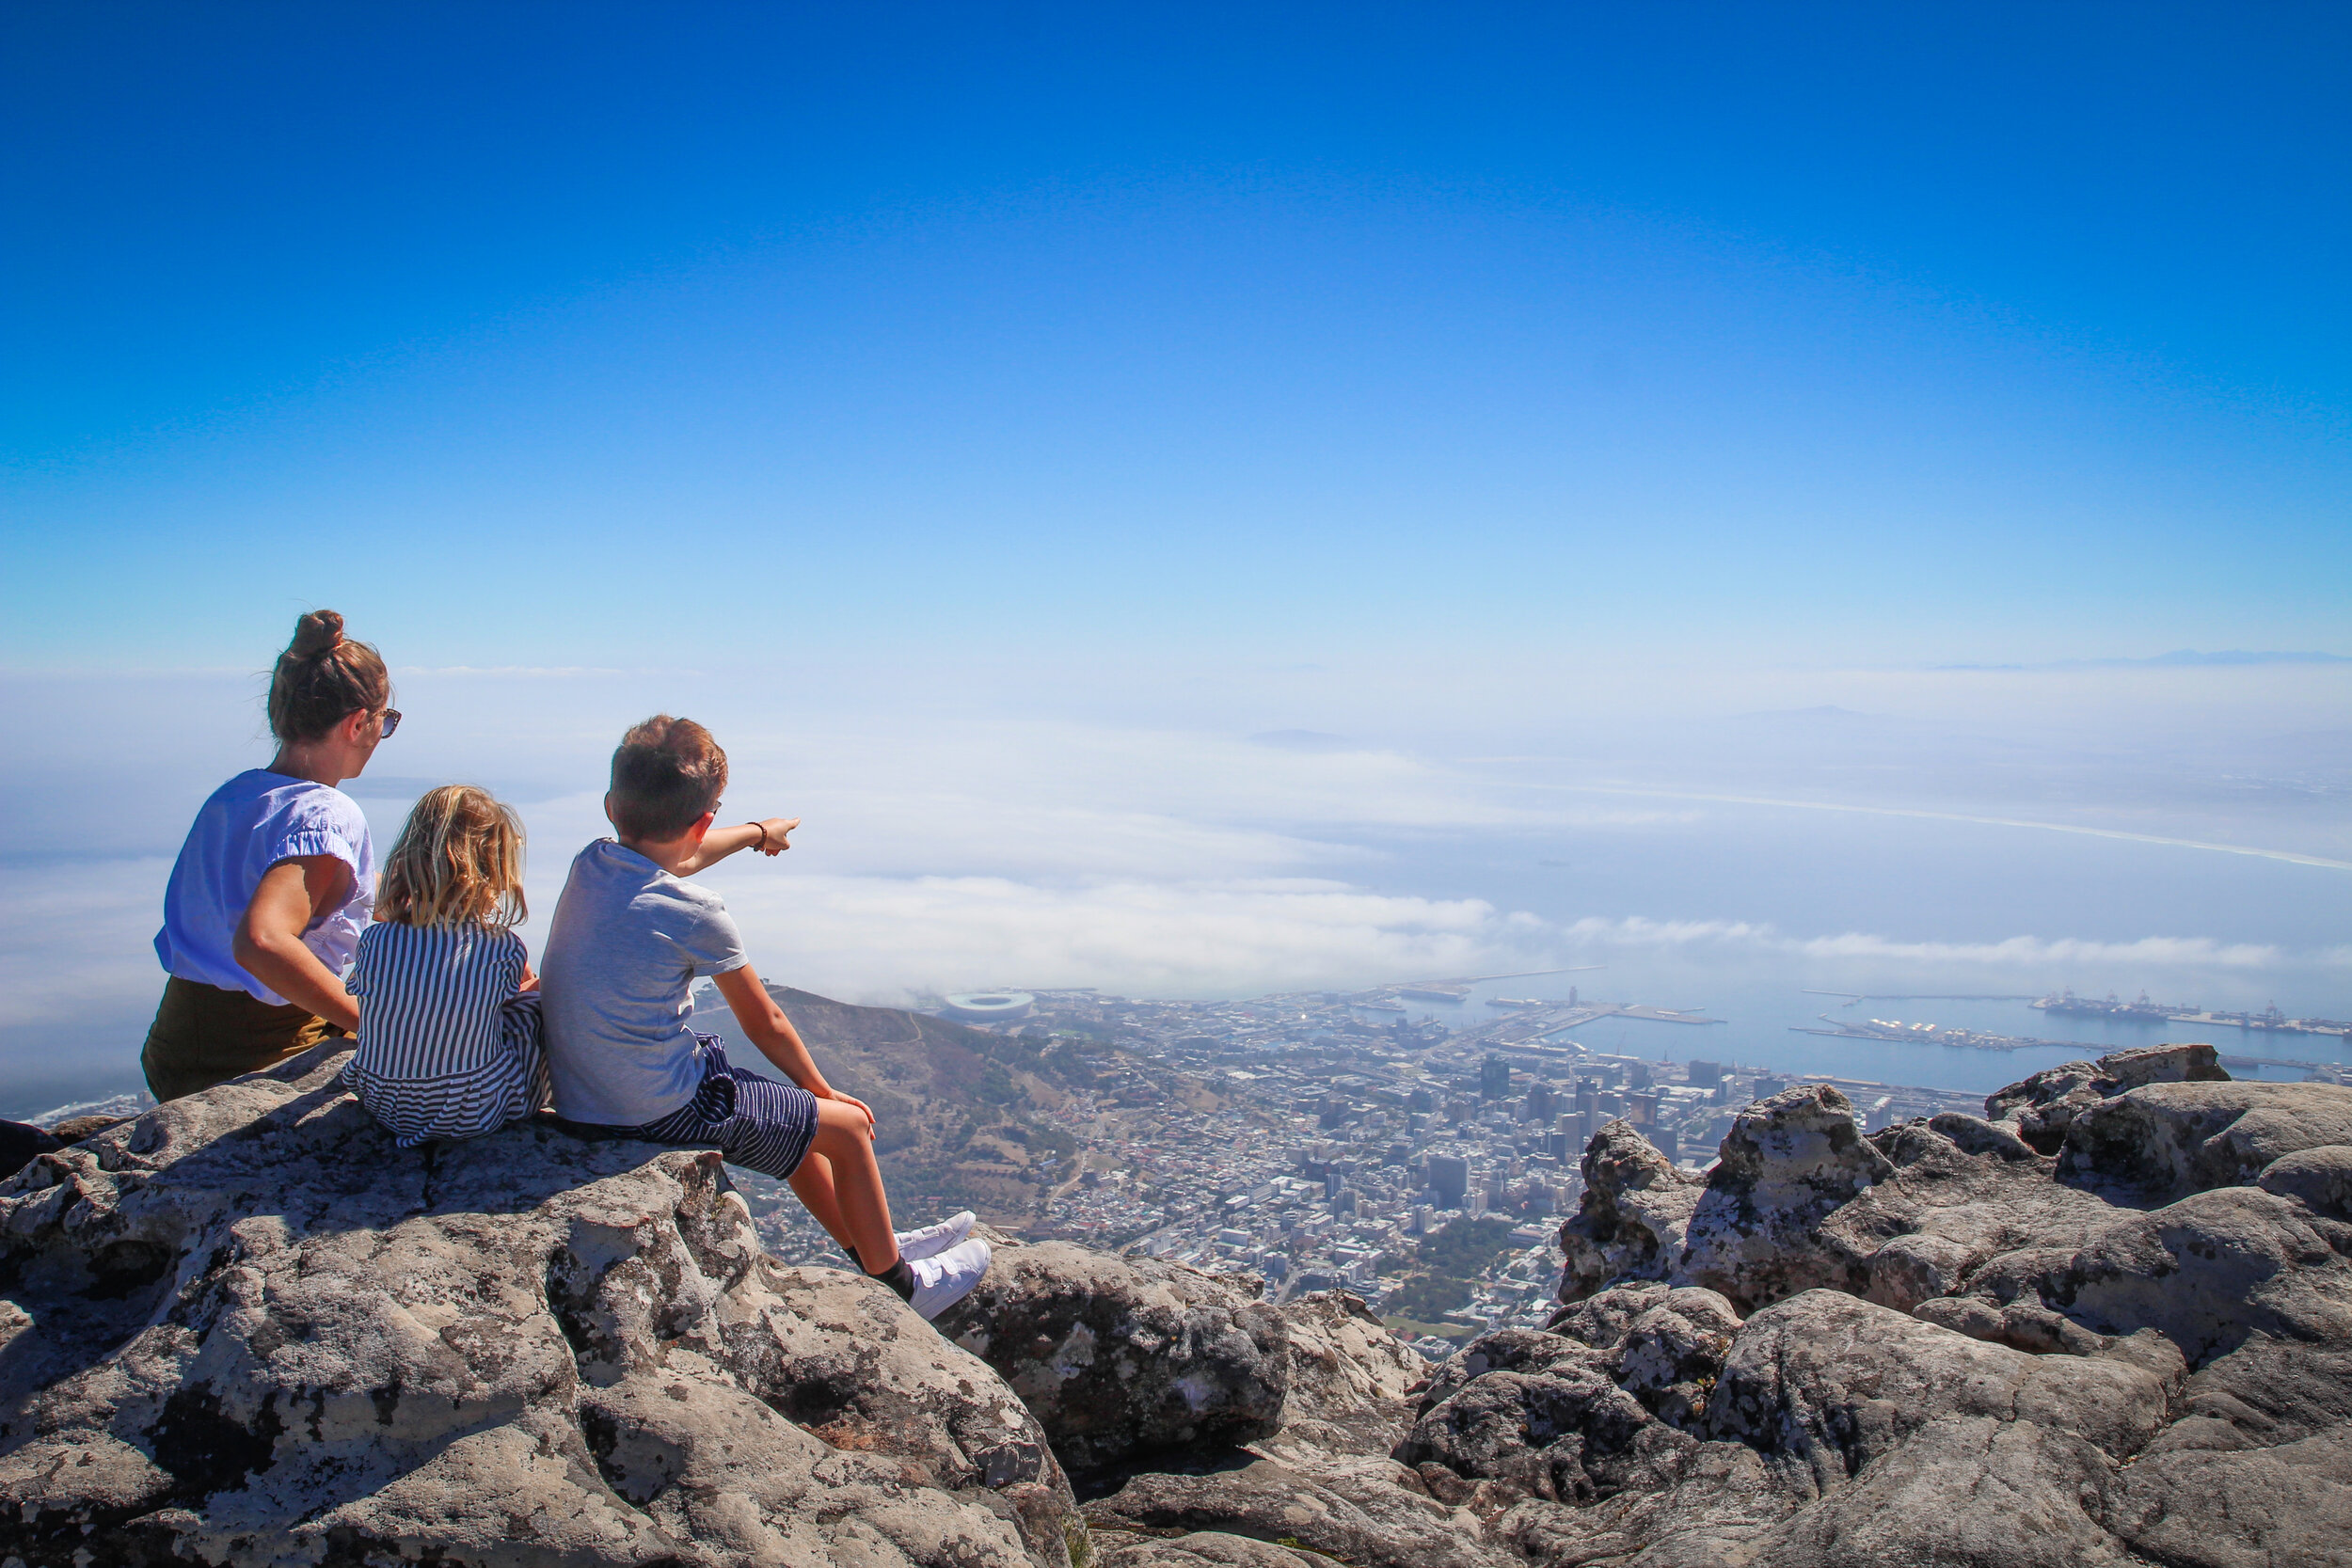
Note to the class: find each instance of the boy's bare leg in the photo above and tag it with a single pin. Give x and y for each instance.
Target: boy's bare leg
(812, 1185)
(854, 1185)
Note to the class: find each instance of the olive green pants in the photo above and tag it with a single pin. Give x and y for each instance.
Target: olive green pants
(203, 1036)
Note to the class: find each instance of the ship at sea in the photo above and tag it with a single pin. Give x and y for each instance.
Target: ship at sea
(2143, 1010)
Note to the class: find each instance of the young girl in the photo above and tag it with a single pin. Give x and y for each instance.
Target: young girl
(449, 1014)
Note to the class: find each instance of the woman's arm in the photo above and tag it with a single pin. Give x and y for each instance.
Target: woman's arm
(770, 1030)
(268, 942)
(768, 837)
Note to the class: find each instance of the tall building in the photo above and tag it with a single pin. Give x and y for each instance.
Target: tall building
(1449, 1176)
(1641, 1110)
(1567, 1137)
(1540, 1103)
(1663, 1136)
(1494, 1078)
(1705, 1074)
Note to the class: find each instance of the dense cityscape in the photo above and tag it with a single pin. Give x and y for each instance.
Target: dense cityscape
(1325, 1139)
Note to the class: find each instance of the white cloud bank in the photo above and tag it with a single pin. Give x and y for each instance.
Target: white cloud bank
(75, 934)
(881, 939)
(2022, 953)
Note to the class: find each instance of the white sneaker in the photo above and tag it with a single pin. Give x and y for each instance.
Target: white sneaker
(942, 1281)
(932, 1239)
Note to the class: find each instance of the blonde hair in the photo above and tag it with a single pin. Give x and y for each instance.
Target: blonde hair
(458, 860)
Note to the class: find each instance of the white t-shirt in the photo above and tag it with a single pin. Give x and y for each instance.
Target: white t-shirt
(628, 941)
(252, 823)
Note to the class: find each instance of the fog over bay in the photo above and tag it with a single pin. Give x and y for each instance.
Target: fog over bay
(2177, 830)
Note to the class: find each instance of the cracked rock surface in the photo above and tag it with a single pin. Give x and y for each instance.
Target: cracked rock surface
(245, 1329)
(2123, 1338)
(2108, 1323)
(1124, 1356)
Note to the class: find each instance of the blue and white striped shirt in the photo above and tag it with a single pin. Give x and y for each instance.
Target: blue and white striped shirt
(448, 1047)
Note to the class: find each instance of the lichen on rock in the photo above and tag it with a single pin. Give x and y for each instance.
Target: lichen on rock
(239, 1331)
(246, 1329)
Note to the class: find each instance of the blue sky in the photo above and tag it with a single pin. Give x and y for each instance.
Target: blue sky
(1807, 334)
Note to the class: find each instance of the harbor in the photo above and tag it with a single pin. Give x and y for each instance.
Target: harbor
(2269, 1021)
(1929, 1034)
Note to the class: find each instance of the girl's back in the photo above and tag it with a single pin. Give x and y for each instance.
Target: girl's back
(448, 1009)
(449, 1042)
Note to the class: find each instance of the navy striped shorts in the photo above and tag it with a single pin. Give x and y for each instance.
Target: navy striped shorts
(754, 1122)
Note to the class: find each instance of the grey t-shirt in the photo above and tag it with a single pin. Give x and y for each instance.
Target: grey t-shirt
(628, 942)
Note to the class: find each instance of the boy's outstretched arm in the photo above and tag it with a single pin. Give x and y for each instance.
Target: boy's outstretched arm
(770, 1030)
(769, 836)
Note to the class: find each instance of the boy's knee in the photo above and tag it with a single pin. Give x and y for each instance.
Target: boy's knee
(841, 1126)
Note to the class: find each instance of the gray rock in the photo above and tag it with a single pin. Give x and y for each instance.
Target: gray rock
(2170, 1139)
(1948, 1207)
(1568, 1433)
(2268, 1391)
(2256, 1470)
(2244, 1508)
(1201, 1549)
(1916, 1267)
(1976, 1136)
(1993, 1365)
(1721, 1499)
(1601, 1319)
(1631, 1221)
(1123, 1358)
(73, 1130)
(1515, 1350)
(1373, 1526)
(1343, 1358)
(1834, 1383)
(1348, 1376)
(2045, 1104)
(2021, 1325)
(2321, 1177)
(1673, 1353)
(1972, 1489)
(2205, 1272)
(1787, 1163)
(244, 1329)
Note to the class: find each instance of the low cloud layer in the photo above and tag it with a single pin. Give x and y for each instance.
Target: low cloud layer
(73, 935)
(1147, 859)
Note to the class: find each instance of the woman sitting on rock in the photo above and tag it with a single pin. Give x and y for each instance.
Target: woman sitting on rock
(264, 907)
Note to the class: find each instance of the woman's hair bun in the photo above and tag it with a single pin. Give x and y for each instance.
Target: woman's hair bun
(322, 677)
(316, 632)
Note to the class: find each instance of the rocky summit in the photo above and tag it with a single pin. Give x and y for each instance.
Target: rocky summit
(2110, 1321)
